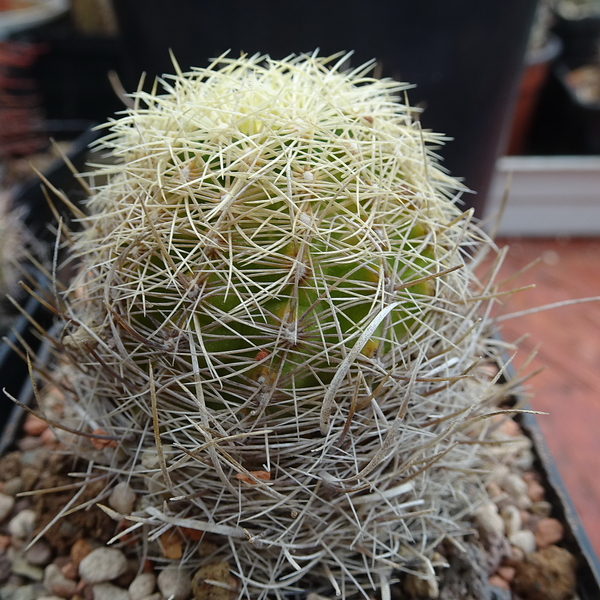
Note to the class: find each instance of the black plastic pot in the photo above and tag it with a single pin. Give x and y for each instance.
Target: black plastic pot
(579, 38)
(465, 57)
(564, 124)
(575, 540)
(538, 64)
(583, 118)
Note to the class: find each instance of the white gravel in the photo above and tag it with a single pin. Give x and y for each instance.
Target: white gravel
(102, 564)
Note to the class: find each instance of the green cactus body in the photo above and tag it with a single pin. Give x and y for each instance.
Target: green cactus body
(274, 279)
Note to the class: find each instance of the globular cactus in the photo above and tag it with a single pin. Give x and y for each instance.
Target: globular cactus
(276, 323)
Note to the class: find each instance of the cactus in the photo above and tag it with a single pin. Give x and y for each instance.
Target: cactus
(17, 245)
(7, 244)
(275, 327)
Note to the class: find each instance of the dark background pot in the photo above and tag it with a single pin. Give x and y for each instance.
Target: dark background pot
(579, 38)
(537, 68)
(581, 124)
(564, 125)
(72, 73)
(465, 57)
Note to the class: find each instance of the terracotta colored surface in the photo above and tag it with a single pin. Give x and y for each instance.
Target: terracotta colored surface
(569, 346)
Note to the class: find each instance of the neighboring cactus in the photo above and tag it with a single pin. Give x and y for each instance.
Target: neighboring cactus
(276, 325)
(7, 245)
(16, 246)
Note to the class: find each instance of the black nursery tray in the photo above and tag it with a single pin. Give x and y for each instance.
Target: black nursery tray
(14, 377)
(14, 372)
(575, 540)
(38, 216)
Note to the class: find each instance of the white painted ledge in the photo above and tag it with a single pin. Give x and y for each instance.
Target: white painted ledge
(549, 195)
